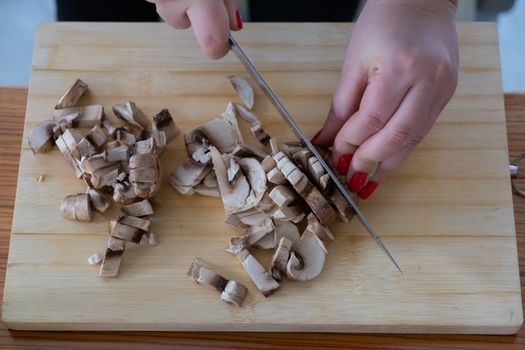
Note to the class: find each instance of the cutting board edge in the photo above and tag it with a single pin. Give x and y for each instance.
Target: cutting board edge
(504, 329)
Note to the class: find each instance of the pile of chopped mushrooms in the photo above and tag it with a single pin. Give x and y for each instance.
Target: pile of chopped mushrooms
(279, 196)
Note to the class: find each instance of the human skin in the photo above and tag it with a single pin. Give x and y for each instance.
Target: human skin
(399, 72)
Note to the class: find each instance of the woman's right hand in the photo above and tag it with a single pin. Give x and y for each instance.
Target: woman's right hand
(211, 21)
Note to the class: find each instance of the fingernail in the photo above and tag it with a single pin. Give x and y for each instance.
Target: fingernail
(312, 140)
(344, 163)
(357, 181)
(238, 18)
(367, 191)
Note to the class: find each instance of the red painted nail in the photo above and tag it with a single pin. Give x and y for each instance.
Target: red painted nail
(344, 163)
(357, 181)
(312, 140)
(367, 191)
(238, 18)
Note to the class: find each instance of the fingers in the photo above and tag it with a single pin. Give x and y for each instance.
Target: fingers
(211, 21)
(234, 15)
(345, 102)
(173, 13)
(403, 129)
(378, 104)
(211, 25)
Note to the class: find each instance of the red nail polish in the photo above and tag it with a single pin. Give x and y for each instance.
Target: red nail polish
(357, 181)
(238, 18)
(344, 163)
(367, 191)
(312, 140)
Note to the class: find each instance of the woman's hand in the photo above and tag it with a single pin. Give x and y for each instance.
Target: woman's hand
(400, 71)
(211, 21)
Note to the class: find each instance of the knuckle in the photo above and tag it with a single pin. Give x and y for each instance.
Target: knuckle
(400, 136)
(373, 121)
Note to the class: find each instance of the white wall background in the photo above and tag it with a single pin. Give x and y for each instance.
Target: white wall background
(19, 18)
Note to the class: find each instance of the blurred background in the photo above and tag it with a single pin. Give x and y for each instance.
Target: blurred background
(19, 18)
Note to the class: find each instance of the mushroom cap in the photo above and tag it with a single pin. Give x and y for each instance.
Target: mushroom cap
(307, 259)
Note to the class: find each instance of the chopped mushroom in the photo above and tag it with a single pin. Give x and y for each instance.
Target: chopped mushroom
(41, 138)
(282, 195)
(280, 259)
(262, 279)
(97, 137)
(88, 116)
(243, 89)
(286, 229)
(138, 209)
(163, 122)
(187, 175)
(76, 207)
(307, 259)
(98, 200)
(95, 259)
(72, 95)
(130, 113)
(232, 292)
(112, 258)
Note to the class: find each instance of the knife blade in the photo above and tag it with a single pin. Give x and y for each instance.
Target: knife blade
(265, 87)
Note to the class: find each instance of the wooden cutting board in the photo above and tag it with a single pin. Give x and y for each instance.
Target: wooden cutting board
(446, 216)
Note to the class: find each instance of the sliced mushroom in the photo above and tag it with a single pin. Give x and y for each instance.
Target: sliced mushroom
(210, 180)
(76, 207)
(207, 191)
(187, 175)
(233, 170)
(343, 209)
(247, 115)
(98, 200)
(243, 89)
(262, 279)
(250, 217)
(88, 116)
(222, 133)
(163, 121)
(72, 95)
(41, 137)
(112, 258)
(323, 232)
(266, 242)
(280, 259)
(202, 153)
(257, 232)
(124, 137)
(260, 134)
(307, 259)
(312, 196)
(138, 209)
(234, 195)
(286, 229)
(130, 113)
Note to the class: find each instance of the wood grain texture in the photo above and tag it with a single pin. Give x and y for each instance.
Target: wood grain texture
(452, 231)
(12, 110)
